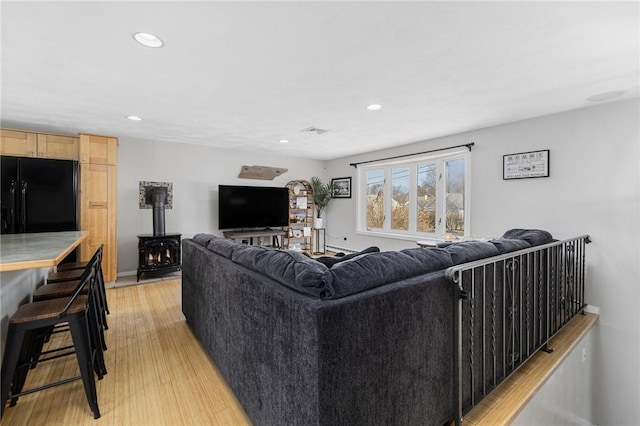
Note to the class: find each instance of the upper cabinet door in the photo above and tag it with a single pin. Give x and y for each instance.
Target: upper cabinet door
(18, 144)
(96, 149)
(58, 147)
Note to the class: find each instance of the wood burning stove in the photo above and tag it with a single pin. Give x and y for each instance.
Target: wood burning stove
(158, 254)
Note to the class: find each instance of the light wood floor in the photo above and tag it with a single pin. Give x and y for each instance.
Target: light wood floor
(160, 375)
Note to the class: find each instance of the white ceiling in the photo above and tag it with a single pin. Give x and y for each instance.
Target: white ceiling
(244, 75)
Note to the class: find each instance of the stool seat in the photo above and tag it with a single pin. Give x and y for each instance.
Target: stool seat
(71, 266)
(51, 291)
(60, 276)
(47, 309)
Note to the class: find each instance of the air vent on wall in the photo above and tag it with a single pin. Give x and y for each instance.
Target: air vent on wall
(314, 129)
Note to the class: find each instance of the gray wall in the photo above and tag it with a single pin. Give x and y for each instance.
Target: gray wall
(195, 171)
(594, 188)
(16, 288)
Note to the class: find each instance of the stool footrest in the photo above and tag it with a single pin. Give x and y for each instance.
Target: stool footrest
(50, 385)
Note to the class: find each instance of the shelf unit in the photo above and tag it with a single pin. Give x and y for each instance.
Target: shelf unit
(301, 212)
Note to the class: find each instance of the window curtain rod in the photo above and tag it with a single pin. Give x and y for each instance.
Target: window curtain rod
(468, 146)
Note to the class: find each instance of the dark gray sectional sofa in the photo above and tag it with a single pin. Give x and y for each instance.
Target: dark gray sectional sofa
(367, 341)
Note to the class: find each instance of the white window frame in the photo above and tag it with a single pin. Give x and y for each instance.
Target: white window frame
(411, 162)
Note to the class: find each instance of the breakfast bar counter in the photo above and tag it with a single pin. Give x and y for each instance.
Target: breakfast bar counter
(37, 250)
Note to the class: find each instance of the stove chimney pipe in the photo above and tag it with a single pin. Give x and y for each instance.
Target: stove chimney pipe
(159, 197)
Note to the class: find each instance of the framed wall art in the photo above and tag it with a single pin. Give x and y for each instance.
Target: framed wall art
(341, 187)
(524, 165)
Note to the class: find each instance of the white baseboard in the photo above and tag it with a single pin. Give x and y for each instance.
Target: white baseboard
(590, 309)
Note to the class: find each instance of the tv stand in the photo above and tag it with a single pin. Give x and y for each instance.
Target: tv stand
(248, 236)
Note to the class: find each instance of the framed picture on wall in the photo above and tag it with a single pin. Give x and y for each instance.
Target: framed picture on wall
(341, 187)
(524, 165)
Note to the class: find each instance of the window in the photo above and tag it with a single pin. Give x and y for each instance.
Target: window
(422, 196)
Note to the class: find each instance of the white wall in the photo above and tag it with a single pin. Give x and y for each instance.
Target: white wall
(195, 171)
(565, 399)
(594, 188)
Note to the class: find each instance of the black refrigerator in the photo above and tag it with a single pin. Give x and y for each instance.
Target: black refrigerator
(38, 195)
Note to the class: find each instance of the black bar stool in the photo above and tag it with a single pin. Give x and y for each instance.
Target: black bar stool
(96, 314)
(34, 316)
(75, 271)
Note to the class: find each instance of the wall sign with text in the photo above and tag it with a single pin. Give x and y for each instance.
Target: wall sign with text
(526, 165)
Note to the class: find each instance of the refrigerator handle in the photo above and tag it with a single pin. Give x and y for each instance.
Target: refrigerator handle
(12, 207)
(23, 206)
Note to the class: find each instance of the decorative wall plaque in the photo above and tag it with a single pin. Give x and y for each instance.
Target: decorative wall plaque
(146, 189)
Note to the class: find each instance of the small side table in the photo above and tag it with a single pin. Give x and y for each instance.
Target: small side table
(319, 241)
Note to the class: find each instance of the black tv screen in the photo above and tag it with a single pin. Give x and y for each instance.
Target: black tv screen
(252, 207)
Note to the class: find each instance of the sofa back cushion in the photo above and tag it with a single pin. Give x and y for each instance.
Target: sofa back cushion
(534, 237)
(508, 245)
(468, 251)
(223, 247)
(375, 269)
(203, 239)
(290, 268)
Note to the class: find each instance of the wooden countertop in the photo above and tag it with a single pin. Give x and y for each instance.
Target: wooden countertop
(37, 250)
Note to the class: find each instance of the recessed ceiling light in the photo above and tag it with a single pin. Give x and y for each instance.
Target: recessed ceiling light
(374, 107)
(134, 118)
(148, 40)
(607, 96)
(284, 141)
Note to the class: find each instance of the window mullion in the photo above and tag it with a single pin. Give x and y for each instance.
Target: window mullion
(440, 199)
(388, 196)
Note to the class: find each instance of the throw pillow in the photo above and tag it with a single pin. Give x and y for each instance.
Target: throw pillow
(329, 261)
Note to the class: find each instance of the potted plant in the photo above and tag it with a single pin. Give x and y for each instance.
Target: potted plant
(322, 194)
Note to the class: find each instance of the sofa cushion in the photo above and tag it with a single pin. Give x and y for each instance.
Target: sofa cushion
(468, 251)
(534, 237)
(508, 245)
(329, 261)
(203, 239)
(223, 247)
(375, 269)
(290, 268)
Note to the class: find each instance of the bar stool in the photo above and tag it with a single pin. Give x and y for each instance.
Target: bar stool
(74, 272)
(97, 315)
(33, 316)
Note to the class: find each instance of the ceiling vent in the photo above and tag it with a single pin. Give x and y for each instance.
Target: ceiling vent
(314, 129)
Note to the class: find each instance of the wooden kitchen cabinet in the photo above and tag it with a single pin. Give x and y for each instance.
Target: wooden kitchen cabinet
(19, 143)
(16, 143)
(98, 199)
(95, 149)
(57, 147)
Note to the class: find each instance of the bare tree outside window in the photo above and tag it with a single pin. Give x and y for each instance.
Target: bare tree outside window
(454, 173)
(426, 197)
(400, 198)
(375, 198)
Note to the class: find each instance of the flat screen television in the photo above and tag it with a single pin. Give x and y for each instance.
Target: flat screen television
(252, 207)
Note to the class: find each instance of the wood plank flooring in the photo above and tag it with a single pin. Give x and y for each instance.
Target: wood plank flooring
(160, 375)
